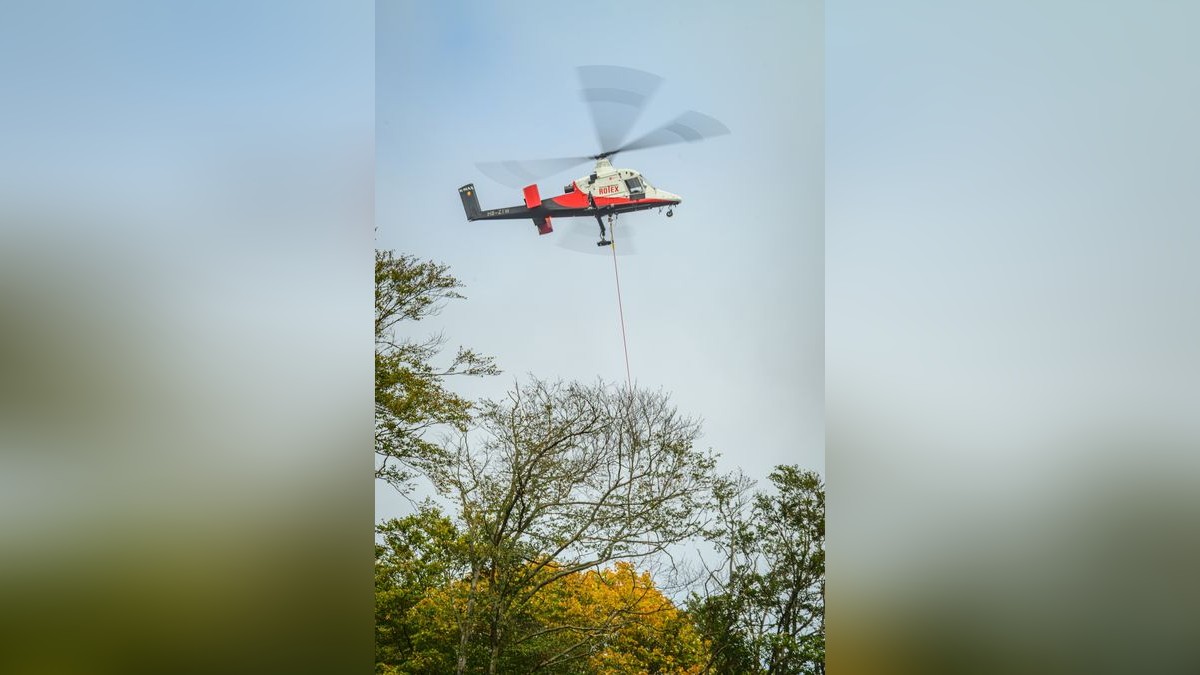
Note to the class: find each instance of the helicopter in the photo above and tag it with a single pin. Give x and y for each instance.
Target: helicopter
(615, 95)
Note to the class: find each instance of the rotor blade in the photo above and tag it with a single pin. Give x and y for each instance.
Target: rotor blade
(689, 127)
(616, 97)
(519, 174)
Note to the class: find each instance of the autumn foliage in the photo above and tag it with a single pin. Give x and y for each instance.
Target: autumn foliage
(611, 620)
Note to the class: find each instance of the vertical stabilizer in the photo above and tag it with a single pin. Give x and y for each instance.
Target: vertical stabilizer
(470, 201)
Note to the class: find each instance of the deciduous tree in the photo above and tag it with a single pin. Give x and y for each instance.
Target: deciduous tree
(764, 606)
(411, 397)
(607, 620)
(561, 478)
(414, 556)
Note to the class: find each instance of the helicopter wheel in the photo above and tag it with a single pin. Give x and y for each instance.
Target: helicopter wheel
(670, 213)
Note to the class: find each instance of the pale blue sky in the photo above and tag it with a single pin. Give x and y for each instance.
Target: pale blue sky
(723, 302)
(1012, 314)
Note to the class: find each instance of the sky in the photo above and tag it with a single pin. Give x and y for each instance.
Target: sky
(1011, 248)
(723, 303)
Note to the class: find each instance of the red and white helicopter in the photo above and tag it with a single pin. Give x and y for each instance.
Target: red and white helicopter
(615, 96)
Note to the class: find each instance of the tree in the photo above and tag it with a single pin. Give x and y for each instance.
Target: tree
(560, 479)
(599, 621)
(608, 620)
(415, 554)
(764, 607)
(411, 397)
(720, 611)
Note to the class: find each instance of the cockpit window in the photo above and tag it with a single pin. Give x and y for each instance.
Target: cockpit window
(635, 184)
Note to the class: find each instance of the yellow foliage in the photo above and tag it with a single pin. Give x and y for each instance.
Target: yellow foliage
(612, 620)
(634, 627)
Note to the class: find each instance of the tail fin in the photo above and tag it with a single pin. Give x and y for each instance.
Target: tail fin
(470, 201)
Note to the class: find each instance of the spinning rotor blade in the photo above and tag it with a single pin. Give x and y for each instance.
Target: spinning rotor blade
(519, 174)
(689, 127)
(615, 96)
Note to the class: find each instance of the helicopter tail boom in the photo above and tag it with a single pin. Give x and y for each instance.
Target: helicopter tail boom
(530, 209)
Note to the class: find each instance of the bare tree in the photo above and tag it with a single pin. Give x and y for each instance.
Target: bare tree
(560, 478)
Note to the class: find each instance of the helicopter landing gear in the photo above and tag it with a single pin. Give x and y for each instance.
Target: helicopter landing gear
(603, 232)
(670, 213)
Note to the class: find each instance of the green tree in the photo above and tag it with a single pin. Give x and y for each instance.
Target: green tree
(411, 397)
(559, 479)
(414, 554)
(764, 608)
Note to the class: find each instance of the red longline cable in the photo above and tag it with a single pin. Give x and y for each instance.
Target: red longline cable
(620, 306)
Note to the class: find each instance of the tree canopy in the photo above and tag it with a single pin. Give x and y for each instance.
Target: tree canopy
(561, 478)
(604, 620)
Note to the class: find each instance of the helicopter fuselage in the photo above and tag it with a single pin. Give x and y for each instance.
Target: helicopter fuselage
(606, 191)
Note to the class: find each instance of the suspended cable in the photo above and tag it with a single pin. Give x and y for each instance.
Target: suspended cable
(620, 307)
